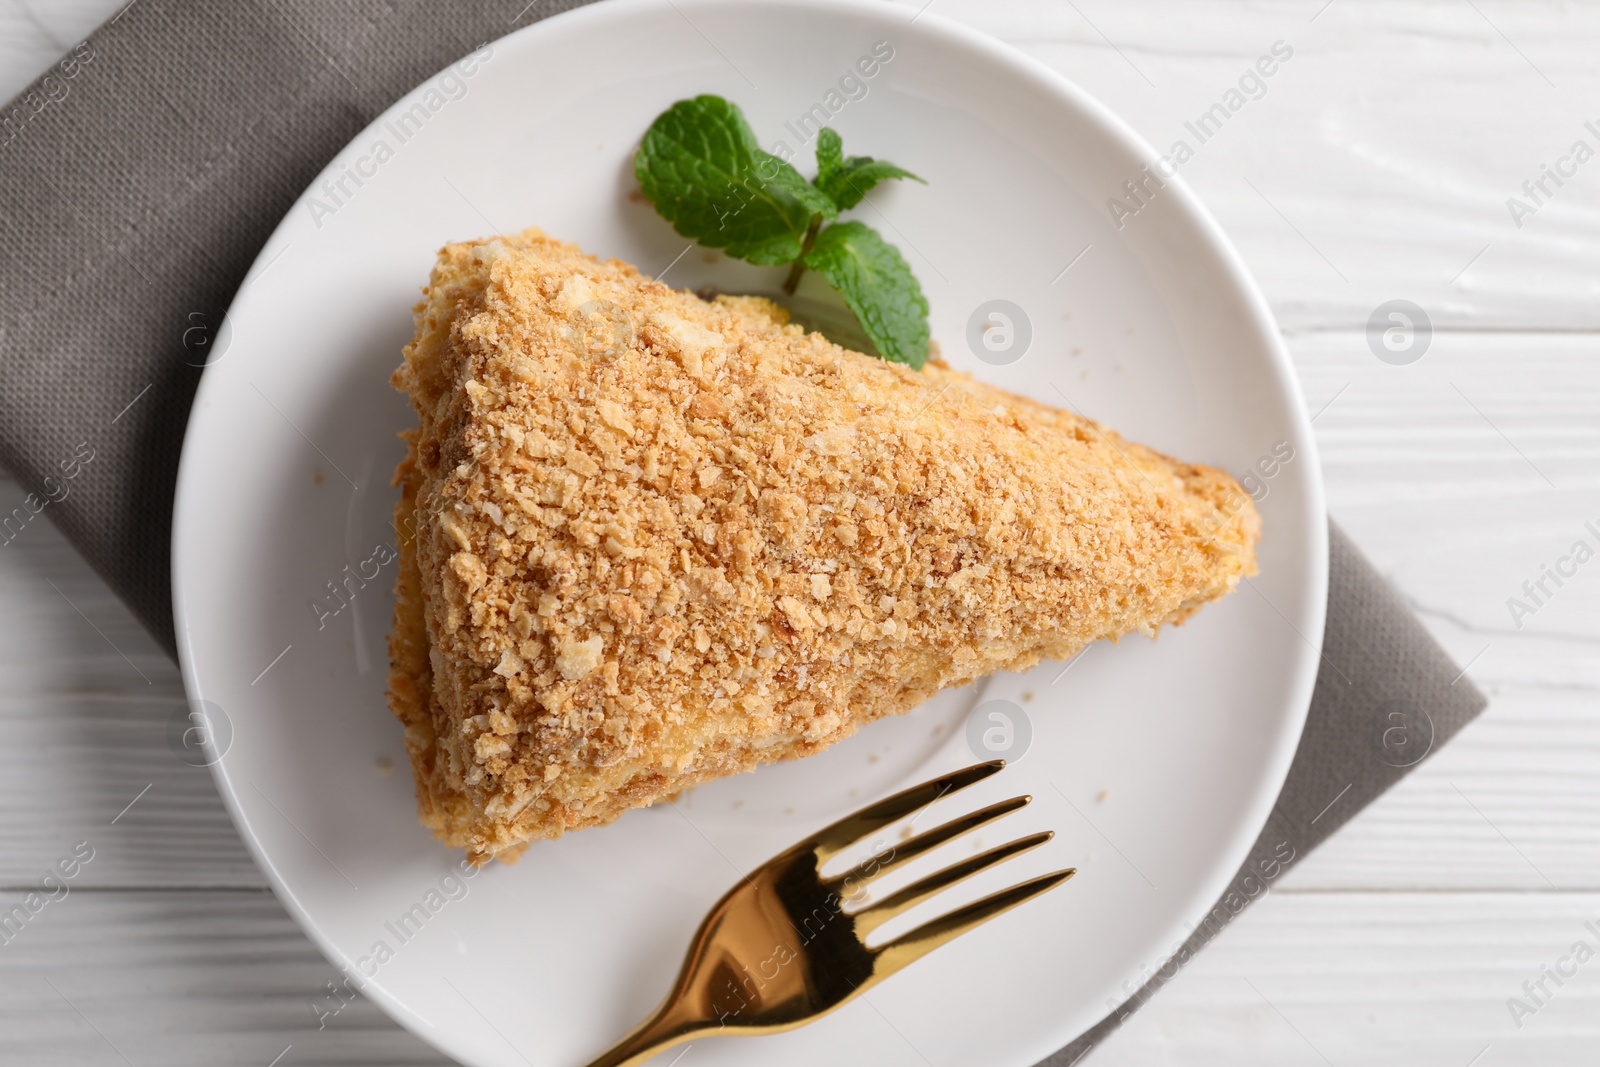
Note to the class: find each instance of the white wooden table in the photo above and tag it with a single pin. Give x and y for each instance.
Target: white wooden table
(1376, 165)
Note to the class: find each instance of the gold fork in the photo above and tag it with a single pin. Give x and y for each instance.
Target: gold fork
(780, 949)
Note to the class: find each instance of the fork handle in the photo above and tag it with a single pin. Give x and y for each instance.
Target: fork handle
(661, 1031)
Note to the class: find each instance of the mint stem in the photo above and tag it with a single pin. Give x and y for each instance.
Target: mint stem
(792, 282)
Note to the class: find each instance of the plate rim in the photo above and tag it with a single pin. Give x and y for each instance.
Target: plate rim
(1063, 92)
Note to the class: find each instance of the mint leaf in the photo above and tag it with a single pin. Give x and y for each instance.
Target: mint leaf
(846, 181)
(701, 167)
(878, 286)
(830, 155)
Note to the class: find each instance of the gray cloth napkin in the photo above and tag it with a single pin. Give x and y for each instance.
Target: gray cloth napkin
(140, 176)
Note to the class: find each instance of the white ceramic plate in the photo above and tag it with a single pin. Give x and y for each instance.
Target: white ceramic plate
(1156, 762)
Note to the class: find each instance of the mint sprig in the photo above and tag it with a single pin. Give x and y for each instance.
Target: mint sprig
(704, 171)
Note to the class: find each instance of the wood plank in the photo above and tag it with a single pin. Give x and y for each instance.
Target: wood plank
(85, 707)
(1462, 476)
(179, 978)
(1377, 979)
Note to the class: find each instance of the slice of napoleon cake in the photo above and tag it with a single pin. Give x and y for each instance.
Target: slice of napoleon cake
(649, 540)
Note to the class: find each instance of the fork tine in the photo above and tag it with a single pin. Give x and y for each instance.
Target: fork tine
(893, 859)
(831, 840)
(930, 935)
(870, 918)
